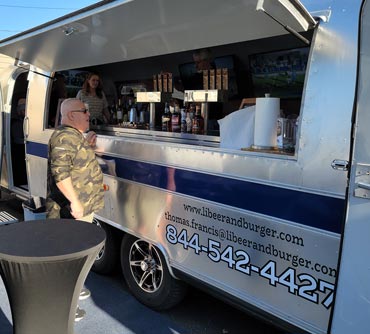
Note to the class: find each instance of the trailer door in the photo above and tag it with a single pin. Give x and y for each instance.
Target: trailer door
(1, 128)
(352, 304)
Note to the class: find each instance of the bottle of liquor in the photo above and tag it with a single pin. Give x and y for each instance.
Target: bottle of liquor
(113, 114)
(166, 118)
(124, 111)
(198, 122)
(189, 122)
(119, 112)
(176, 120)
(189, 118)
(183, 126)
(130, 104)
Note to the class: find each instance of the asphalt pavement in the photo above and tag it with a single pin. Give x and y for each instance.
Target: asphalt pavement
(112, 309)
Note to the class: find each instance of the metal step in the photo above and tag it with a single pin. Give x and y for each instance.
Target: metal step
(6, 218)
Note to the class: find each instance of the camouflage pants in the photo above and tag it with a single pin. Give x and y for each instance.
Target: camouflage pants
(52, 209)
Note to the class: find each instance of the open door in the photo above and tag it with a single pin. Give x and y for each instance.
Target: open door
(1, 129)
(17, 143)
(352, 302)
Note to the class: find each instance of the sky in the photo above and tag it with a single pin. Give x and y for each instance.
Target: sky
(20, 15)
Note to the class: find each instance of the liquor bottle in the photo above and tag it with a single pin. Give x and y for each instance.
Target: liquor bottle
(124, 112)
(176, 120)
(198, 122)
(130, 104)
(166, 118)
(113, 114)
(183, 126)
(119, 112)
(189, 122)
(189, 119)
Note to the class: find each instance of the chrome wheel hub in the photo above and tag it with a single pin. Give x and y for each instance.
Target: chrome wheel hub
(146, 266)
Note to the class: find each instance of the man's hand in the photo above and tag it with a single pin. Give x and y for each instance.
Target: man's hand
(77, 211)
(66, 187)
(91, 138)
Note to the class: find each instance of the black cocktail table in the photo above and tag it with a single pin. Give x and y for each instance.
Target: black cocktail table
(44, 264)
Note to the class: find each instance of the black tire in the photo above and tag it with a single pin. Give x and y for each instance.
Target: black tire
(107, 259)
(141, 261)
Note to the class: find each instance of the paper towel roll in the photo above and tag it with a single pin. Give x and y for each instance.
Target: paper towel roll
(265, 122)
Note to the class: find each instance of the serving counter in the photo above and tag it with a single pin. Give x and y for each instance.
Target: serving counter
(173, 137)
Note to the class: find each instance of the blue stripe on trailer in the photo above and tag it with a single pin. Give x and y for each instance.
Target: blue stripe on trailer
(37, 149)
(305, 208)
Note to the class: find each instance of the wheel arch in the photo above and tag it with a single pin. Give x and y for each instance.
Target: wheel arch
(121, 229)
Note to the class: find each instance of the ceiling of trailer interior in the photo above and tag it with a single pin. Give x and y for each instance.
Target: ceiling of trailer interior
(132, 29)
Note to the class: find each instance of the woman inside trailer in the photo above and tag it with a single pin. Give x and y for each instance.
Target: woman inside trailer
(93, 96)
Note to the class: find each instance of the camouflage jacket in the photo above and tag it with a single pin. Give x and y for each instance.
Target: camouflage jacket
(70, 155)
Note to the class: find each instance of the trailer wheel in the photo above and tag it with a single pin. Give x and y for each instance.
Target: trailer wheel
(146, 274)
(107, 259)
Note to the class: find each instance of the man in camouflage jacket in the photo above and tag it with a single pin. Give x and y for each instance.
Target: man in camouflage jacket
(75, 180)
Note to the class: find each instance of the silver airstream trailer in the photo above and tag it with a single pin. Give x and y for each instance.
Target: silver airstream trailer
(279, 229)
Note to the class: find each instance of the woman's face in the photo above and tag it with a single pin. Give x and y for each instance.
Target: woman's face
(94, 81)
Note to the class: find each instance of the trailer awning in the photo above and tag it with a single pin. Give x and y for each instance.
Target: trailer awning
(122, 30)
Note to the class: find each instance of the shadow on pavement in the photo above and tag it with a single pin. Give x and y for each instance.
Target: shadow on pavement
(112, 309)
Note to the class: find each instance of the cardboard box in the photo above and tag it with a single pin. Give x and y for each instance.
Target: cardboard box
(225, 79)
(160, 87)
(205, 79)
(219, 79)
(212, 83)
(170, 83)
(165, 82)
(155, 83)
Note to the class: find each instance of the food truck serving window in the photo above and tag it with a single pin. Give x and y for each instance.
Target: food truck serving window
(223, 93)
(135, 60)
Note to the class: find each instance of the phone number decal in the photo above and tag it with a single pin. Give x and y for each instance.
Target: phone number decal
(302, 285)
